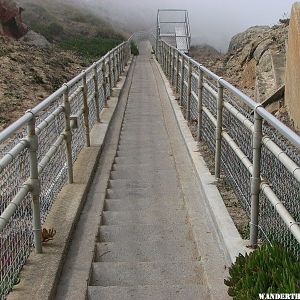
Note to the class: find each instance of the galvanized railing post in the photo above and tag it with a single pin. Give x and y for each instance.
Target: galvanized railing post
(163, 55)
(104, 83)
(118, 62)
(122, 58)
(170, 62)
(255, 180)
(166, 59)
(182, 79)
(35, 185)
(126, 53)
(173, 67)
(200, 104)
(86, 110)
(68, 134)
(177, 72)
(114, 68)
(110, 73)
(189, 91)
(219, 129)
(97, 95)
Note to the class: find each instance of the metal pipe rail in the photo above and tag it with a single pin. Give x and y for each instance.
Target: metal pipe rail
(259, 155)
(37, 153)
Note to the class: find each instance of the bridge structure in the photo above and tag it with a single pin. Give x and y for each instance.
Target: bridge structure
(173, 27)
(109, 162)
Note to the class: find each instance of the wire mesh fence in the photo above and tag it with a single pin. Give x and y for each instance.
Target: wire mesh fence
(278, 167)
(51, 131)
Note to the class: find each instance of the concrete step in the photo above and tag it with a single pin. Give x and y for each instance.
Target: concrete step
(142, 193)
(147, 216)
(144, 161)
(139, 173)
(156, 164)
(144, 232)
(143, 147)
(146, 142)
(140, 204)
(146, 251)
(149, 292)
(146, 273)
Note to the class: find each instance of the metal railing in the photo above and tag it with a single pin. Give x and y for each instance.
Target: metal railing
(258, 154)
(37, 154)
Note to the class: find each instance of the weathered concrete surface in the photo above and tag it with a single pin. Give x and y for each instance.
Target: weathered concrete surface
(76, 271)
(145, 237)
(145, 247)
(292, 90)
(230, 239)
(40, 275)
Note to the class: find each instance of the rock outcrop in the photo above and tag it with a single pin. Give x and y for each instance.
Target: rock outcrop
(35, 39)
(11, 23)
(251, 62)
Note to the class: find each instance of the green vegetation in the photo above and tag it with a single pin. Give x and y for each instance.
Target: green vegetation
(269, 269)
(72, 28)
(134, 49)
(89, 48)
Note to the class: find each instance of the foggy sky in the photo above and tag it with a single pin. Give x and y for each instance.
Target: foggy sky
(212, 21)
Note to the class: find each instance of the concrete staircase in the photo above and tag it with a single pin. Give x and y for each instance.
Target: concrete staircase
(145, 247)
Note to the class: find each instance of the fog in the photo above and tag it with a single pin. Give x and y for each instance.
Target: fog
(213, 22)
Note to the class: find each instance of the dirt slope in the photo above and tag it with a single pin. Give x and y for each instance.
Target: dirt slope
(29, 74)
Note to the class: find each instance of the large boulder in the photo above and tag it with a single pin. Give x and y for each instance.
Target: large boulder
(35, 39)
(252, 35)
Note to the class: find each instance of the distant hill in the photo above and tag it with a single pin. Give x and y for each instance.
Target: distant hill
(56, 20)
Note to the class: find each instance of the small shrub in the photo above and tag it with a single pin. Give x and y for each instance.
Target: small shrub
(134, 49)
(269, 269)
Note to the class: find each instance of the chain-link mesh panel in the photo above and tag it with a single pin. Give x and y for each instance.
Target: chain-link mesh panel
(282, 182)
(16, 240)
(15, 246)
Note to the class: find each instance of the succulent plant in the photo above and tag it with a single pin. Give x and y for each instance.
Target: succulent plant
(269, 269)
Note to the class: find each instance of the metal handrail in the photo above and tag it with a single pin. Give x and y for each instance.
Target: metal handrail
(166, 56)
(76, 100)
(31, 114)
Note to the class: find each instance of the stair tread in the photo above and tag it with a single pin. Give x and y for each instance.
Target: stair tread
(139, 204)
(145, 273)
(142, 193)
(144, 232)
(140, 173)
(144, 216)
(145, 251)
(149, 292)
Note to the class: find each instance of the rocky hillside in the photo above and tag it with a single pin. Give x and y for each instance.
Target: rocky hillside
(208, 56)
(255, 58)
(28, 74)
(60, 42)
(255, 63)
(58, 20)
